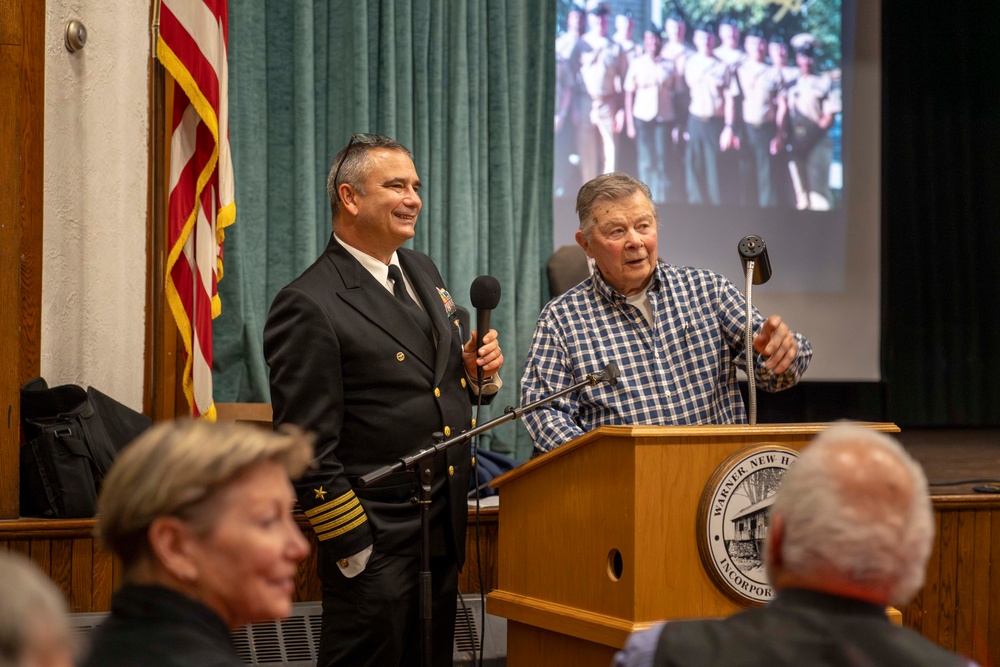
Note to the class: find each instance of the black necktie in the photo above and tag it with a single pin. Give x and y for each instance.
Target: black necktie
(411, 306)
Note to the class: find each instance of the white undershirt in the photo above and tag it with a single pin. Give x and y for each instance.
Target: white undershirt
(641, 301)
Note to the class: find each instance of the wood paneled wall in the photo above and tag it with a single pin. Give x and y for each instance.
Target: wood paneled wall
(958, 608)
(67, 550)
(486, 552)
(959, 605)
(22, 123)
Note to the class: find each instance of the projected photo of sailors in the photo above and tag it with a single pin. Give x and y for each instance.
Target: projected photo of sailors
(719, 104)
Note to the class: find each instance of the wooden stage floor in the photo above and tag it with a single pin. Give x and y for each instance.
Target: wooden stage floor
(950, 455)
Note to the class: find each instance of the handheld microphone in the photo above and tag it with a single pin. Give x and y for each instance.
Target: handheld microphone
(753, 248)
(485, 295)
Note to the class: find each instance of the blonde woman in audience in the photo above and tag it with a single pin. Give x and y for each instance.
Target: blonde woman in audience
(201, 516)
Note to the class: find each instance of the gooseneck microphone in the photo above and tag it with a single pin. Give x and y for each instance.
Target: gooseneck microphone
(753, 249)
(485, 295)
(756, 265)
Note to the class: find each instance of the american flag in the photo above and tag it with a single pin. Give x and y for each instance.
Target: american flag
(192, 44)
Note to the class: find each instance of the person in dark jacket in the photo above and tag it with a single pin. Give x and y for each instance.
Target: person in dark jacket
(200, 515)
(850, 532)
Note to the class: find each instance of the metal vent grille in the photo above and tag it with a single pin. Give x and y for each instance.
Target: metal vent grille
(467, 630)
(490, 646)
(294, 641)
(85, 622)
(290, 641)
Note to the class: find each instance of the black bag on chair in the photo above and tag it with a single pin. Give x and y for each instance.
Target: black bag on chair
(71, 439)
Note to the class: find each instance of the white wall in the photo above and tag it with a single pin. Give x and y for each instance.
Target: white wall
(94, 252)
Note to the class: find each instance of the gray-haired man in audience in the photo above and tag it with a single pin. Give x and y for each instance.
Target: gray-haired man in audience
(34, 618)
(850, 532)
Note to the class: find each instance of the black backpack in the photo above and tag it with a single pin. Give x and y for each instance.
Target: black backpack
(72, 437)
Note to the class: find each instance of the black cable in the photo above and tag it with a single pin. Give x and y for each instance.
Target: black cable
(479, 559)
(469, 625)
(961, 482)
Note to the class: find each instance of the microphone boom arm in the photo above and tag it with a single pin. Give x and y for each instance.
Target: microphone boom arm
(420, 467)
(609, 374)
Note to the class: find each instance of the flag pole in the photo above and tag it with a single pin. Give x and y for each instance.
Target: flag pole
(158, 397)
(154, 28)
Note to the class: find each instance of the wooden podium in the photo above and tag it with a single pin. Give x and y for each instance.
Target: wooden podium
(598, 537)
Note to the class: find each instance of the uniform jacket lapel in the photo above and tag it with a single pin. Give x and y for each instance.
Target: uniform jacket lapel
(429, 296)
(375, 303)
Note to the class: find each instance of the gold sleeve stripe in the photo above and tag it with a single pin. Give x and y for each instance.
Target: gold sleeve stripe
(352, 506)
(340, 531)
(330, 505)
(340, 521)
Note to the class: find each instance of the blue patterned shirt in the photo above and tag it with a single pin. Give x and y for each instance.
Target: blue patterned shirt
(681, 370)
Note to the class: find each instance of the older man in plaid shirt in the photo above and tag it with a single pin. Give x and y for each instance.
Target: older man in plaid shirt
(676, 333)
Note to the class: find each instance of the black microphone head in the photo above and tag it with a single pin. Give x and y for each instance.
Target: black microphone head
(611, 374)
(754, 248)
(485, 293)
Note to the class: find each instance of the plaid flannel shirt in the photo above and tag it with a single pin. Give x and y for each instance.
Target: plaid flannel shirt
(681, 370)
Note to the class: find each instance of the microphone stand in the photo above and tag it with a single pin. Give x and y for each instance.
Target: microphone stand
(753, 253)
(420, 467)
(748, 344)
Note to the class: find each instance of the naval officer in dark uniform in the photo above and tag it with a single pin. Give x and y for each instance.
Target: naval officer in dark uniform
(364, 351)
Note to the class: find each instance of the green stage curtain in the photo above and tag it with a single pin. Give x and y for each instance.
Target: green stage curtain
(468, 86)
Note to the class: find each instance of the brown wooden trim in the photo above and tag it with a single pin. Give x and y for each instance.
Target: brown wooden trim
(61, 569)
(103, 584)
(991, 655)
(980, 607)
(953, 609)
(159, 387)
(82, 571)
(22, 125)
(41, 554)
(966, 502)
(965, 552)
(10, 251)
(32, 150)
(76, 528)
(152, 206)
(10, 23)
(562, 619)
(28, 529)
(258, 414)
(948, 538)
(67, 551)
